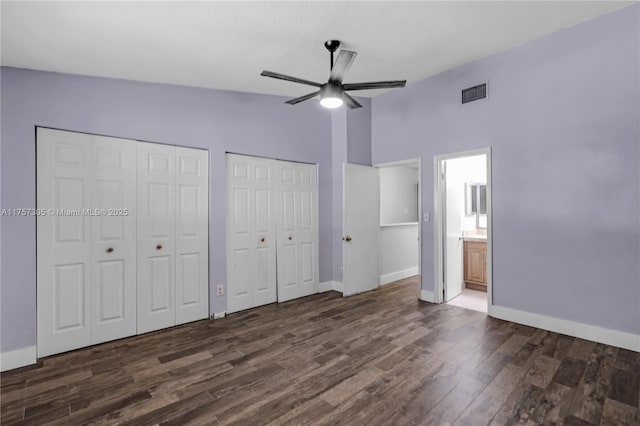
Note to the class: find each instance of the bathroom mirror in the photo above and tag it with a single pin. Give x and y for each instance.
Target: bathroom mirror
(475, 198)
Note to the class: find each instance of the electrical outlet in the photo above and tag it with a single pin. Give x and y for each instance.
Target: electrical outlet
(219, 290)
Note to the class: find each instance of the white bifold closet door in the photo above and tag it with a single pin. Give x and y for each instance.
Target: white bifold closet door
(192, 235)
(272, 231)
(86, 256)
(172, 236)
(251, 233)
(297, 230)
(156, 236)
(122, 238)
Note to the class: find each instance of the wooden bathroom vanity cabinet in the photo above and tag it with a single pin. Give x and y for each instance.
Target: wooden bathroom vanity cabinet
(475, 264)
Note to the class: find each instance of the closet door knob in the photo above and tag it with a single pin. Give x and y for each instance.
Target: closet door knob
(159, 247)
(262, 240)
(290, 237)
(110, 249)
(347, 238)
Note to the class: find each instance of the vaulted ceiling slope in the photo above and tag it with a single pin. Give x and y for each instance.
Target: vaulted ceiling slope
(225, 45)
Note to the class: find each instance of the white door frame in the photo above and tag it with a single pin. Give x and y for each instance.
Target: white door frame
(412, 162)
(438, 223)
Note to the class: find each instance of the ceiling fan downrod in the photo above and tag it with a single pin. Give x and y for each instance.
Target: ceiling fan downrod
(332, 46)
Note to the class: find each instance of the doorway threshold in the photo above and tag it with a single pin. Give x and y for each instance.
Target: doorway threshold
(471, 299)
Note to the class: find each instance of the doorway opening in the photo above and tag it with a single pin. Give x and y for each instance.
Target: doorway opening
(463, 229)
(400, 201)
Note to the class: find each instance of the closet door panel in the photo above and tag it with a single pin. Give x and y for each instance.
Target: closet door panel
(264, 238)
(113, 285)
(63, 241)
(307, 220)
(240, 232)
(192, 235)
(156, 270)
(251, 236)
(288, 249)
(297, 231)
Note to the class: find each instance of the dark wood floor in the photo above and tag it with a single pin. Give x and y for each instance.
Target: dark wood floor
(378, 358)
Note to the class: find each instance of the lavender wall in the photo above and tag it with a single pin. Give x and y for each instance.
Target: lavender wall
(338, 158)
(215, 120)
(563, 121)
(359, 133)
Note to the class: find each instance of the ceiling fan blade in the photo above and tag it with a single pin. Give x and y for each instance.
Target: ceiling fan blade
(351, 103)
(375, 85)
(342, 64)
(302, 98)
(289, 78)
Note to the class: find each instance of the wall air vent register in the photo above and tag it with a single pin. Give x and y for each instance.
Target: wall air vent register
(474, 93)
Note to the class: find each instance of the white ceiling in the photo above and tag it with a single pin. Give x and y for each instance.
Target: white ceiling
(225, 45)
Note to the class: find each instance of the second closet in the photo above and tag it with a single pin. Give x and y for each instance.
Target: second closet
(272, 231)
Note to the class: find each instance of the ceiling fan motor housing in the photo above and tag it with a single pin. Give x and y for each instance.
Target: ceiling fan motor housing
(331, 90)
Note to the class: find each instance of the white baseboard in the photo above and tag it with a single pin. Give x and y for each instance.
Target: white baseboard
(18, 358)
(594, 333)
(330, 286)
(325, 286)
(218, 315)
(398, 275)
(427, 296)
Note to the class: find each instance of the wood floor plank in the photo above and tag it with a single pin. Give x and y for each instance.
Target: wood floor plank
(520, 406)
(377, 358)
(543, 370)
(625, 386)
(616, 413)
(484, 408)
(592, 390)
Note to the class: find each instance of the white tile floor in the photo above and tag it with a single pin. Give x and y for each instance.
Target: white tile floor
(471, 299)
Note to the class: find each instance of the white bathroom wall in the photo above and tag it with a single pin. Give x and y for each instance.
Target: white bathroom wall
(398, 223)
(398, 252)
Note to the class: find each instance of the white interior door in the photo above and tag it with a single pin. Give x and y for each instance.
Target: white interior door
(113, 228)
(63, 241)
(251, 233)
(192, 230)
(297, 251)
(361, 228)
(454, 210)
(156, 236)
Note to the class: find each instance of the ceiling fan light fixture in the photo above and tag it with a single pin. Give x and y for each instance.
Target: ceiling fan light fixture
(331, 96)
(331, 102)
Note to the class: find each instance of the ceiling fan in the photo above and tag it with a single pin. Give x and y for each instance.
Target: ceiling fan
(333, 92)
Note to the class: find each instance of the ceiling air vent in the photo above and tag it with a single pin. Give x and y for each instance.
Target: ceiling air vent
(474, 93)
